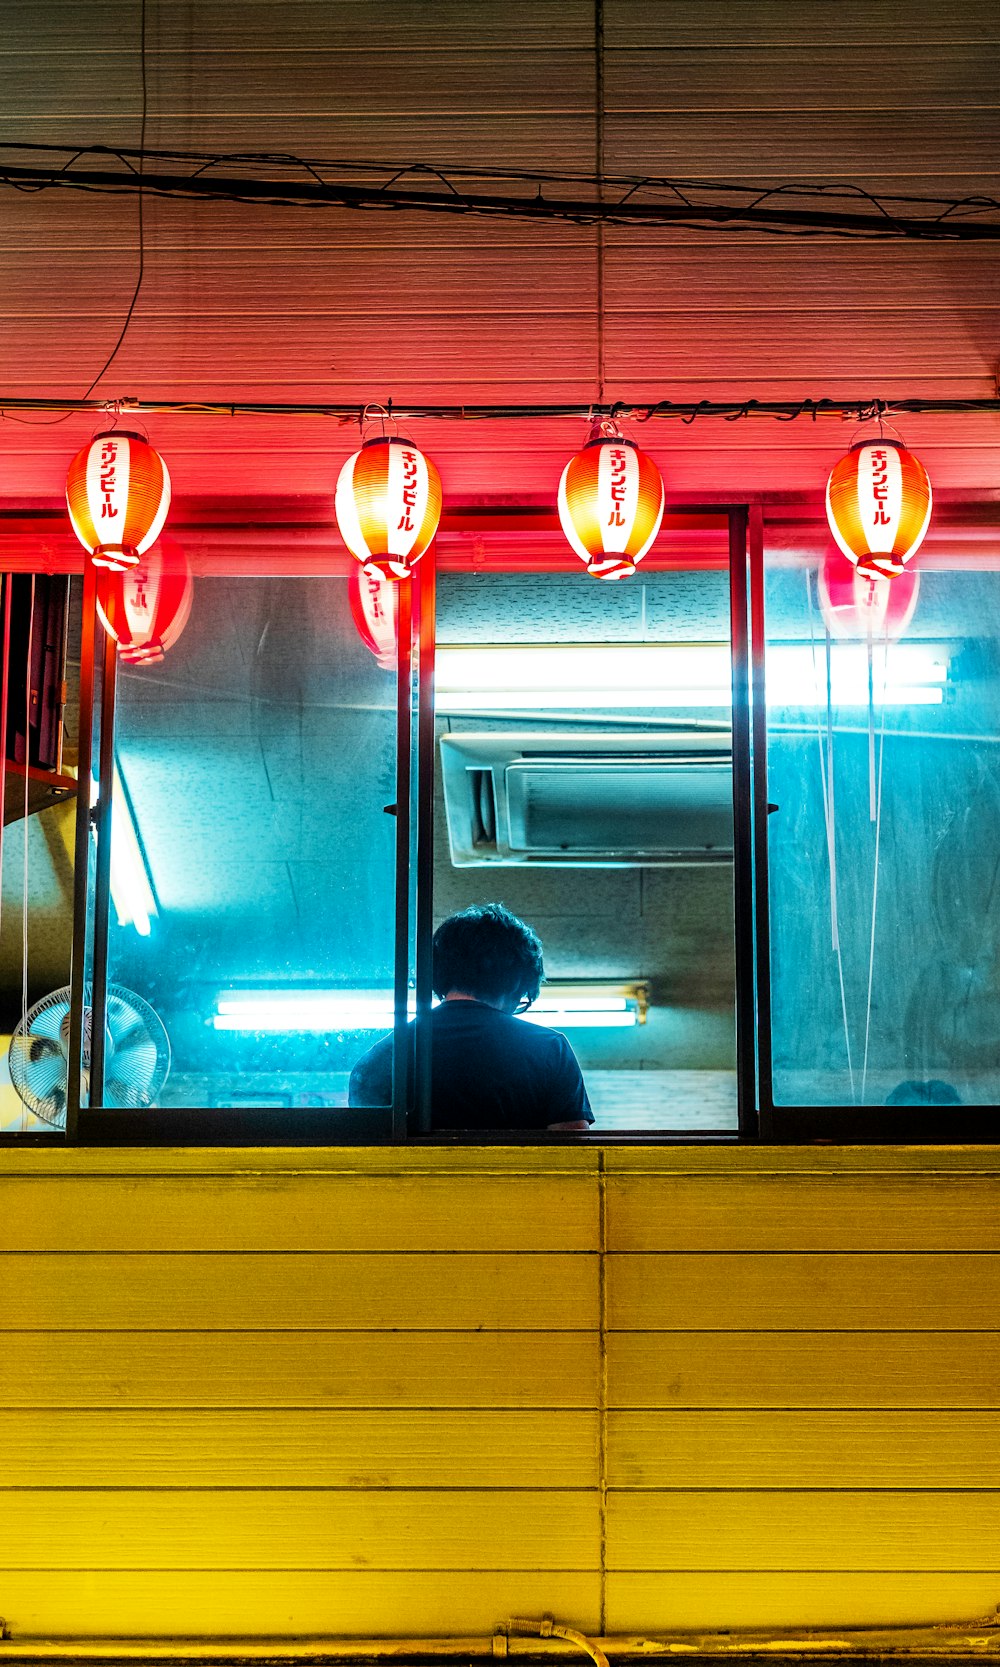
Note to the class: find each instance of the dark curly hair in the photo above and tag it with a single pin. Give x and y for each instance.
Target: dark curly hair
(488, 953)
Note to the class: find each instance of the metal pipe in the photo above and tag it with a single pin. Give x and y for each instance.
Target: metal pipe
(81, 852)
(102, 878)
(746, 1016)
(758, 748)
(401, 975)
(425, 841)
(946, 1642)
(7, 582)
(64, 655)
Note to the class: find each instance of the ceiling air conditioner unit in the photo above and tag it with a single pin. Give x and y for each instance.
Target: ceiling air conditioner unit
(588, 800)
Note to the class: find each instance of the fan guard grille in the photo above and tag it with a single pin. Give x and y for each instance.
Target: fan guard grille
(137, 1053)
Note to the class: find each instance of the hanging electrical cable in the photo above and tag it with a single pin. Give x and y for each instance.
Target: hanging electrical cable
(289, 181)
(854, 409)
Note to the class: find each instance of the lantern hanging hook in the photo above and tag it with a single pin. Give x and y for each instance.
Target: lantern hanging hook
(115, 409)
(875, 411)
(382, 414)
(606, 427)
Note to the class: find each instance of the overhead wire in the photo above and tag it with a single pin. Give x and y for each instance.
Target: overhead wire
(791, 208)
(141, 201)
(856, 409)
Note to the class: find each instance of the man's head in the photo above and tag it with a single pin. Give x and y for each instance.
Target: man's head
(486, 952)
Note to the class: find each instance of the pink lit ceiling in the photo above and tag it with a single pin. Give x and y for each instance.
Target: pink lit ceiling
(291, 304)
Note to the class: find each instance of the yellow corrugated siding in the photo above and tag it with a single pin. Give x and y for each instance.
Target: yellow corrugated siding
(403, 1393)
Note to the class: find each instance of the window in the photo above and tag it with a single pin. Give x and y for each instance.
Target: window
(883, 774)
(290, 813)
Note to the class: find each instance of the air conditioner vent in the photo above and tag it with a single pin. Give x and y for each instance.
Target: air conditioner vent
(589, 799)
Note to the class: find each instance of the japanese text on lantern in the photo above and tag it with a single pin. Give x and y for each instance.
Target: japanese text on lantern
(618, 458)
(109, 454)
(880, 486)
(409, 490)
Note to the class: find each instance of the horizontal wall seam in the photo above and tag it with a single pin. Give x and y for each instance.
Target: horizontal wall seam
(498, 1331)
(492, 1254)
(488, 1489)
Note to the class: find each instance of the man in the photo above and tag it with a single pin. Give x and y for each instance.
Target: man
(488, 1069)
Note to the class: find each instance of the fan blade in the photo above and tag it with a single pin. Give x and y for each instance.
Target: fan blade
(123, 1021)
(134, 1032)
(54, 1109)
(30, 1046)
(48, 1020)
(126, 1094)
(43, 1076)
(135, 1064)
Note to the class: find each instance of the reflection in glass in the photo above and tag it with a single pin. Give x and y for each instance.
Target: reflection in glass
(584, 779)
(884, 845)
(256, 763)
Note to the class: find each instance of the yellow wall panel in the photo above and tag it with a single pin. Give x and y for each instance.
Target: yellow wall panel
(810, 1530)
(289, 1603)
(788, 1213)
(311, 1212)
(338, 1292)
(805, 1292)
(778, 1449)
(359, 1162)
(653, 1602)
(284, 1529)
(819, 1162)
(360, 1392)
(299, 1369)
(300, 1448)
(813, 1369)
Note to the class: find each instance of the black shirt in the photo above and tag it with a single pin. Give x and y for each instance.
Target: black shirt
(488, 1071)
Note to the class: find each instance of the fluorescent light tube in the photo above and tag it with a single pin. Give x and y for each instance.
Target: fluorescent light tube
(554, 677)
(131, 892)
(362, 1010)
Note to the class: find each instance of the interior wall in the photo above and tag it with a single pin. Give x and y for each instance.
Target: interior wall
(671, 926)
(402, 1392)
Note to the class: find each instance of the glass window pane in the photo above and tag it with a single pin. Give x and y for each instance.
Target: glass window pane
(884, 848)
(253, 852)
(36, 917)
(585, 781)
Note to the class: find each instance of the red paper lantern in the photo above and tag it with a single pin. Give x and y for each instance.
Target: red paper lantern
(611, 505)
(146, 607)
(118, 494)
(860, 605)
(388, 505)
(878, 504)
(375, 610)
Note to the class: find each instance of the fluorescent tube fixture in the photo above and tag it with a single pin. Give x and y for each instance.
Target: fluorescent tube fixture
(131, 892)
(582, 677)
(588, 1006)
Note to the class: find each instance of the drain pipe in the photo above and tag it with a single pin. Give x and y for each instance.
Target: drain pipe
(520, 1642)
(546, 1628)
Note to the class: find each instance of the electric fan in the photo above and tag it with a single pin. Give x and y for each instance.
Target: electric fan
(136, 1053)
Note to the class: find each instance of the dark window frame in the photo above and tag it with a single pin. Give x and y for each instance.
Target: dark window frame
(408, 1119)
